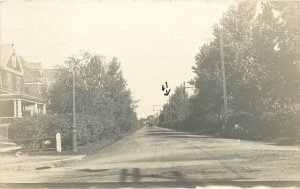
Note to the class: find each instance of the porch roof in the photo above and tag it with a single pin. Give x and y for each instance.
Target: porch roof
(21, 96)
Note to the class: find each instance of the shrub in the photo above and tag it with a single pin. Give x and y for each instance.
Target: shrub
(282, 123)
(30, 131)
(240, 125)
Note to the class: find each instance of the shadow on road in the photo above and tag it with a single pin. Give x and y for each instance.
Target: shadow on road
(135, 175)
(174, 134)
(206, 184)
(92, 170)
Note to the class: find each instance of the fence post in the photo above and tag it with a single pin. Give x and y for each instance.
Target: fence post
(58, 142)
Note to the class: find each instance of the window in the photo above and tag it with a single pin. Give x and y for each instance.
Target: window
(14, 60)
(9, 80)
(18, 83)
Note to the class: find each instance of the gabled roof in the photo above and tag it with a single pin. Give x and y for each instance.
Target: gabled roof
(5, 52)
(27, 76)
(34, 66)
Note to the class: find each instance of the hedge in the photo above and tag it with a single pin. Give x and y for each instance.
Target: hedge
(25, 131)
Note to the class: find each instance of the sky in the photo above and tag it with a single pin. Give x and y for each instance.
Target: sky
(155, 41)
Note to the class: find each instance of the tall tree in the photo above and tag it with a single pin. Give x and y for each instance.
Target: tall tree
(261, 40)
(102, 98)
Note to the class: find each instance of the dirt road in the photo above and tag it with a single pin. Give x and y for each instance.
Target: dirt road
(163, 155)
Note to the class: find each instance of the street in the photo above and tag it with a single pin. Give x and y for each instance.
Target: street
(164, 155)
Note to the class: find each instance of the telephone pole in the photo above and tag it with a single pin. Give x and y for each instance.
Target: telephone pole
(170, 108)
(224, 82)
(184, 100)
(184, 97)
(74, 129)
(155, 113)
(165, 114)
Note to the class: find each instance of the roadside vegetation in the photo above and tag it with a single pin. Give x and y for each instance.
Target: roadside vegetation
(104, 104)
(261, 43)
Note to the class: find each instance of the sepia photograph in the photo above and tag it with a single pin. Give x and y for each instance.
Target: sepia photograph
(150, 94)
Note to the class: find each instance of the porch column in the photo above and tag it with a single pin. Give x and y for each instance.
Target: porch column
(44, 108)
(15, 108)
(35, 108)
(19, 108)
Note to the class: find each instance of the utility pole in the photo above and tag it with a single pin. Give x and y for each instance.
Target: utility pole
(184, 100)
(170, 107)
(184, 97)
(157, 118)
(224, 82)
(155, 113)
(165, 113)
(74, 129)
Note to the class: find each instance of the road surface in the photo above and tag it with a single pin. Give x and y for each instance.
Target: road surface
(164, 155)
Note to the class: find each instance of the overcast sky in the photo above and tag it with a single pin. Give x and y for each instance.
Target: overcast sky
(155, 41)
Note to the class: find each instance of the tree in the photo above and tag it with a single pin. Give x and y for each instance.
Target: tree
(179, 107)
(103, 101)
(116, 89)
(261, 45)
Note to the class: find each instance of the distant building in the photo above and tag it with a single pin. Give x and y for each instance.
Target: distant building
(48, 77)
(21, 85)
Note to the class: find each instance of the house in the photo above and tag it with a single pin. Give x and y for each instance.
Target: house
(21, 86)
(48, 78)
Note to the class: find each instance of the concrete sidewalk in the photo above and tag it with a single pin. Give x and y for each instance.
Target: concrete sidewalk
(9, 149)
(26, 162)
(6, 146)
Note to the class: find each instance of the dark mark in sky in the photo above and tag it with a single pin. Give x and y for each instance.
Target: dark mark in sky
(165, 89)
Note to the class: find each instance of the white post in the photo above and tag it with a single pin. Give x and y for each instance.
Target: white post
(35, 109)
(15, 108)
(19, 108)
(58, 142)
(44, 108)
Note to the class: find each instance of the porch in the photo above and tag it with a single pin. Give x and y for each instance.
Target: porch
(20, 107)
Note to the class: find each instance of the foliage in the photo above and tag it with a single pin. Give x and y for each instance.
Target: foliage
(104, 105)
(101, 91)
(261, 42)
(257, 59)
(31, 131)
(179, 108)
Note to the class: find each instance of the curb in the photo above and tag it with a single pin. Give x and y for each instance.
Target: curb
(40, 165)
(8, 149)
